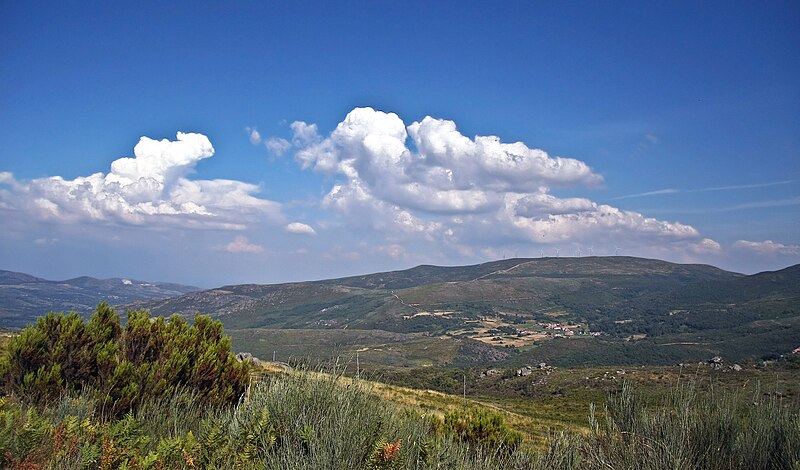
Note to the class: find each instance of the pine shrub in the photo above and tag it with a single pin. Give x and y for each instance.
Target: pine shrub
(123, 366)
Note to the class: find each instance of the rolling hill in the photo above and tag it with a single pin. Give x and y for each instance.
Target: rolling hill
(567, 311)
(24, 297)
(434, 299)
(591, 310)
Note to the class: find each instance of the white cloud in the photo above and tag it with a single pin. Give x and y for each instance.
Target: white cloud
(254, 135)
(304, 134)
(428, 181)
(300, 228)
(574, 221)
(277, 146)
(660, 192)
(6, 177)
(241, 244)
(394, 251)
(767, 247)
(152, 188)
(706, 246)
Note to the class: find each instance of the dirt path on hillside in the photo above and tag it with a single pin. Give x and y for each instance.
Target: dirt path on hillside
(501, 271)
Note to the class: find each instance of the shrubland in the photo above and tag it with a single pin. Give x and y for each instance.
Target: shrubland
(122, 367)
(157, 393)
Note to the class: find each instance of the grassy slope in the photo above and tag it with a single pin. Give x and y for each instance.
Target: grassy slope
(373, 346)
(549, 401)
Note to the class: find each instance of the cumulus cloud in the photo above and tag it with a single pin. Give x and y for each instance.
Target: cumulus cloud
(706, 246)
(277, 146)
(254, 135)
(300, 228)
(304, 134)
(428, 180)
(241, 244)
(151, 188)
(767, 247)
(564, 220)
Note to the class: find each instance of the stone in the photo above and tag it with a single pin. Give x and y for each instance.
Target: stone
(243, 356)
(247, 357)
(716, 362)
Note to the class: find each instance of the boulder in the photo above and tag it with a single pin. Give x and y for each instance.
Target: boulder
(247, 357)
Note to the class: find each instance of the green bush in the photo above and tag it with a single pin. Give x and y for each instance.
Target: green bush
(481, 427)
(149, 357)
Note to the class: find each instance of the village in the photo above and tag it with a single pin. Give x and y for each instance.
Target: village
(502, 331)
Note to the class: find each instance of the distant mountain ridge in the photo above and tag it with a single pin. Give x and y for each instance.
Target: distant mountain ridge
(10, 278)
(381, 300)
(524, 267)
(566, 311)
(24, 297)
(645, 311)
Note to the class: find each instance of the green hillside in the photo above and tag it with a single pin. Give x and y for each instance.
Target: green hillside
(568, 311)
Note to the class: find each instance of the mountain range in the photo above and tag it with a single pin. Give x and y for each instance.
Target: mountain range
(568, 311)
(565, 310)
(24, 297)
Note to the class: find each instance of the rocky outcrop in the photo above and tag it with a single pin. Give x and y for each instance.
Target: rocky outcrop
(247, 357)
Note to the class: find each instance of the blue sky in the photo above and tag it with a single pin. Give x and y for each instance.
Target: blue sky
(677, 124)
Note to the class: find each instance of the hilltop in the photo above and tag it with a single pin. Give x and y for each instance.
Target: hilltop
(370, 301)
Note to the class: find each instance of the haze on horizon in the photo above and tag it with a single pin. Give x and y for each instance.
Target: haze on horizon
(213, 145)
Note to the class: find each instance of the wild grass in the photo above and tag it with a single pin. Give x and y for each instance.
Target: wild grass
(298, 420)
(690, 430)
(309, 419)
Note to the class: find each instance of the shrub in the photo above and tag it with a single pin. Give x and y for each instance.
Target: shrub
(710, 431)
(294, 421)
(149, 357)
(481, 427)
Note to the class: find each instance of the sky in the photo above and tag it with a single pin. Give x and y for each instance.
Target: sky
(260, 142)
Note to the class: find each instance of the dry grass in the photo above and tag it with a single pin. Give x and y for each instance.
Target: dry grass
(534, 425)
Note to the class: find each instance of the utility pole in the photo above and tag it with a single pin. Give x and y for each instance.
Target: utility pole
(358, 367)
(465, 391)
(273, 356)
